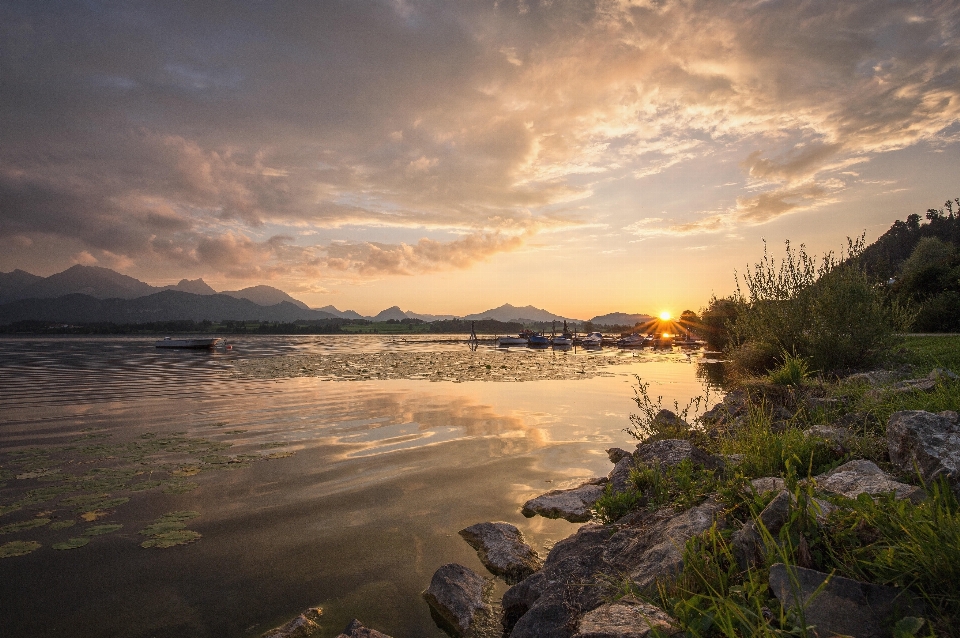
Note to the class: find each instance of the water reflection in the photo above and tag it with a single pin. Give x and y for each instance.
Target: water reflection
(383, 476)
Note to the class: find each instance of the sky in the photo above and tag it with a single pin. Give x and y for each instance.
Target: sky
(449, 157)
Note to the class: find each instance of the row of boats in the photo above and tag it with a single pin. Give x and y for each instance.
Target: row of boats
(598, 340)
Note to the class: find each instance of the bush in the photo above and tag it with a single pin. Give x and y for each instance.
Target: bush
(825, 311)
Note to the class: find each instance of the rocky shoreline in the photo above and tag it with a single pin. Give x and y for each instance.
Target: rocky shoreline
(611, 577)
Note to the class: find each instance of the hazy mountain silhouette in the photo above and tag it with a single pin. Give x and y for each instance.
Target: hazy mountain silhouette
(506, 312)
(346, 314)
(101, 283)
(265, 296)
(168, 305)
(620, 319)
(12, 283)
(196, 286)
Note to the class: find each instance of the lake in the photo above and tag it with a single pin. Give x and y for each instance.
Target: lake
(258, 497)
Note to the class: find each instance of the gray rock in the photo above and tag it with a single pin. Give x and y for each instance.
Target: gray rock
(747, 543)
(572, 505)
(626, 618)
(548, 603)
(914, 385)
(926, 441)
(619, 476)
(942, 373)
(864, 477)
(768, 484)
(873, 378)
(950, 415)
(356, 630)
(668, 421)
(303, 626)
(456, 595)
(616, 454)
(670, 452)
(838, 435)
(843, 606)
(502, 550)
(653, 552)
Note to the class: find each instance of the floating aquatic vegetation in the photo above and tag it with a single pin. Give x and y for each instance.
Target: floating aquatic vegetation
(278, 455)
(18, 548)
(72, 543)
(19, 526)
(180, 487)
(482, 365)
(7, 509)
(273, 444)
(42, 495)
(99, 530)
(46, 471)
(171, 539)
(95, 515)
(168, 530)
(62, 524)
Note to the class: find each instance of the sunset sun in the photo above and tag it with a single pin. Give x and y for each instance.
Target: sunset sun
(665, 316)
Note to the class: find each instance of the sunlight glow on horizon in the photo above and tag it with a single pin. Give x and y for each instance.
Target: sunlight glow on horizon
(665, 316)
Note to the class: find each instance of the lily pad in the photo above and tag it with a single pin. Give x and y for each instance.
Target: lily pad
(72, 543)
(180, 487)
(162, 527)
(172, 539)
(18, 548)
(19, 526)
(98, 530)
(6, 509)
(278, 455)
(62, 524)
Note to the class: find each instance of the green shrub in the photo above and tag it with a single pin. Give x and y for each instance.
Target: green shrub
(793, 370)
(825, 311)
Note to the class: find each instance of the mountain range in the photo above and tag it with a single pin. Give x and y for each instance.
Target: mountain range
(89, 294)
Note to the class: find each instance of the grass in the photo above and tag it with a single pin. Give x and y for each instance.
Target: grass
(912, 546)
(933, 351)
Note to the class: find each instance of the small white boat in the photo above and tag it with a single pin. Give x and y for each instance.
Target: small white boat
(563, 340)
(197, 344)
(519, 340)
(592, 340)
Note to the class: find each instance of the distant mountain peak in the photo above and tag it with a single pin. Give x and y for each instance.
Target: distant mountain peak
(196, 286)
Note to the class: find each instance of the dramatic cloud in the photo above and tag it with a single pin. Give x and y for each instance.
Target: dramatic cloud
(424, 256)
(207, 135)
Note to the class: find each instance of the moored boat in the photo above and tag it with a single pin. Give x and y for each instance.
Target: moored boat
(592, 340)
(537, 340)
(519, 340)
(195, 344)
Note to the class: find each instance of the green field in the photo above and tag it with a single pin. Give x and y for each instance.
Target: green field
(940, 351)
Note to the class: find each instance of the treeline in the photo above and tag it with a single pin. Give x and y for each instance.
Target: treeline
(302, 327)
(842, 312)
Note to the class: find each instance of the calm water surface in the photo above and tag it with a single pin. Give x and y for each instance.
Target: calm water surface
(382, 476)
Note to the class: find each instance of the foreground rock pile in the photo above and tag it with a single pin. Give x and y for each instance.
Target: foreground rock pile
(479, 365)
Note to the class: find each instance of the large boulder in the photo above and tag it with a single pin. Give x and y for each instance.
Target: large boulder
(926, 441)
(502, 550)
(626, 618)
(864, 477)
(456, 595)
(841, 606)
(670, 452)
(573, 505)
(747, 543)
(303, 626)
(619, 477)
(549, 603)
(653, 551)
(356, 630)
